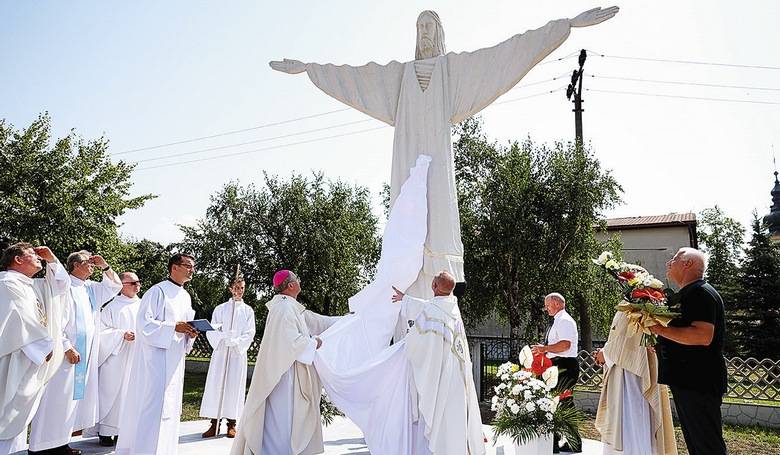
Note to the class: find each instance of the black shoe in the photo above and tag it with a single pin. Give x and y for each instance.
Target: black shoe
(107, 441)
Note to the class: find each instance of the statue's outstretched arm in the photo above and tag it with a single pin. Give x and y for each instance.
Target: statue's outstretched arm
(594, 16)
(289, 66)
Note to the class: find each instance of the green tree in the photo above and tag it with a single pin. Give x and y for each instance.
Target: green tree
(527, 217)
(324, 231)
(148, 259)
(759, 296)
(68, 195)
(721, 238)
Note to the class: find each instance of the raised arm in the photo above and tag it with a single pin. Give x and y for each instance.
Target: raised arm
(478, 78)
(372, 89)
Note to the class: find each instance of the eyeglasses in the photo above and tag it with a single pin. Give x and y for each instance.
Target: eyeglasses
(186, 266)
(132, 283)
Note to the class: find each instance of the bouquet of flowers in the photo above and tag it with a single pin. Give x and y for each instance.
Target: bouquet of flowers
(644, 296)
(328, 411)
(526, 400)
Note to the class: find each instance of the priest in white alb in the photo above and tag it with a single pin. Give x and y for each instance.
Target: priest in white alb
(424, 98)
(447, 409)
(117, 339)
(30, 336)
(634, 414)
(223, 396)
(70, 402)
(149, 423)
(282, 412)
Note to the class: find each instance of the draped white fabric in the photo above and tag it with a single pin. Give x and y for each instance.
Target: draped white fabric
(366, 378)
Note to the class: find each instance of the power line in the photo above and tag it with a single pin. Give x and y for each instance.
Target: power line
(699, 98)
(698, 84)
(528, 96)
(228, 155)
(227, 133)
(687, 62)
(565, 57)
(275, 124)
(256, 141)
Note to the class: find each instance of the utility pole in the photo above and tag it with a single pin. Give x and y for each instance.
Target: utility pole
(575, 88)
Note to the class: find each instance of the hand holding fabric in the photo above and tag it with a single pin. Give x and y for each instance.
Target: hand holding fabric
(73, 356)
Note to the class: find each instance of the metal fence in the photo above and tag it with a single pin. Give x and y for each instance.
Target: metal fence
(750, 379)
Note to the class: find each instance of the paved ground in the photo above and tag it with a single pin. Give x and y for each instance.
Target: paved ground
(342, 437)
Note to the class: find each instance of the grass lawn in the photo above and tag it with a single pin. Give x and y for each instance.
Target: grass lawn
(739, 440)
(193, 391)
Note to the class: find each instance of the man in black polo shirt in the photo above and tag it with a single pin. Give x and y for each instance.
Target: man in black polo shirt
(690, 354)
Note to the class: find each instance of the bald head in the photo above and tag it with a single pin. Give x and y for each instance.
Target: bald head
(443, 283)
(687, 266)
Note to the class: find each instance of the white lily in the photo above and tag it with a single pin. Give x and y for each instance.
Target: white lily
(550, 377)
(526, 357)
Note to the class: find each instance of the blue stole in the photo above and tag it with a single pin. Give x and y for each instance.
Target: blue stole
(80, 372)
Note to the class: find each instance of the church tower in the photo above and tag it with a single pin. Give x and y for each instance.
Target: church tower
(772, 220)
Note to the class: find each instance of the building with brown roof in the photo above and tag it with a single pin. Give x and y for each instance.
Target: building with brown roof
(651, 241)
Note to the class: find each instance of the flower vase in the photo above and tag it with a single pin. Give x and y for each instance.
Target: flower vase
(541, 445)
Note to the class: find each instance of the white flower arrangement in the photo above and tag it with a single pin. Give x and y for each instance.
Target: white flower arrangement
(526, 399)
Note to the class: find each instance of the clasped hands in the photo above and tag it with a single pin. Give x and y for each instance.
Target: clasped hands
(186, 329)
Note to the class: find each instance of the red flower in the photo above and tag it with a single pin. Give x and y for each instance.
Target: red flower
(626, 276)
(540, 364)
(648, 293)
(565, 394)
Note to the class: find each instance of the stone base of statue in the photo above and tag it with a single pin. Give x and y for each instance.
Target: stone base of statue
(542, 445)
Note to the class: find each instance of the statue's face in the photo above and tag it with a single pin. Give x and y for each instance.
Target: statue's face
(426, 36)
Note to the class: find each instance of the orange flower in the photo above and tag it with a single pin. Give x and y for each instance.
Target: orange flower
(655, 295)
(565, 394)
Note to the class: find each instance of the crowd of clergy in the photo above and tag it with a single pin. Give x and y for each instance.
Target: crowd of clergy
(91, 357)
(79, 356)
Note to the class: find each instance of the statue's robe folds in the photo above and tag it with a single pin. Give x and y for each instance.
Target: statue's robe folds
(461, 84)
(634, 414)
(27, 339)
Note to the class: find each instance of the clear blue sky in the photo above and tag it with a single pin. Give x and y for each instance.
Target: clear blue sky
(144, 73)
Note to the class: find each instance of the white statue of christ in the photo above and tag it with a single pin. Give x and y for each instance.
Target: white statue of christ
(423, 98)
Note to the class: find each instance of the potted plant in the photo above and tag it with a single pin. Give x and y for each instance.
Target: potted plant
(526, 404)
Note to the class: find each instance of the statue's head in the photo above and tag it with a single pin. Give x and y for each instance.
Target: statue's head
(430, 36)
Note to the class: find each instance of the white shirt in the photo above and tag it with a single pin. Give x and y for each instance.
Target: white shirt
(563, 328)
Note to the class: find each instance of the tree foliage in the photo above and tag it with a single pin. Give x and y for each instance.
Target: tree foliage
(527, 215)
(322, 230)
(67, 195)
(721, 238)
(758, 297)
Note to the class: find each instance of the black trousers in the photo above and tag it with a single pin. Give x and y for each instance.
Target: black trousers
(568, 374)
(700, 419)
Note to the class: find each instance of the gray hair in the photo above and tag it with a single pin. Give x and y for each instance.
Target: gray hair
(438, 37)
(557, 297)
(699, 259)
(77, 258)
(124, 275)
